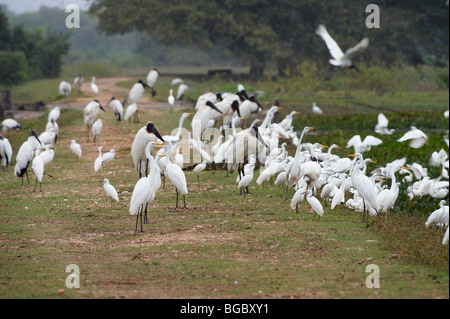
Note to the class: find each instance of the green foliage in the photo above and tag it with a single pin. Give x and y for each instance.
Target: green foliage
(13, 68)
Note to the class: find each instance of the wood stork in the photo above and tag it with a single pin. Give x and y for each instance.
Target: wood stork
(339, 58)
(152, 77)
(54, 114)
(146, 134)
(6, 152)
(90, 113)
(117, 108)
(10, 124)
(131, 110)
(208, 96)
(182, 89)
(204, 117)
(40, 161)
(65, 88)
(25, 155)
(94, 87)
(48, 137)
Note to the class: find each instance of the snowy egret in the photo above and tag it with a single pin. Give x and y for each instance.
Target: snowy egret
(110, 191)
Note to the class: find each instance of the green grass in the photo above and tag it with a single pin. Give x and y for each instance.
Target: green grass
(222, 246)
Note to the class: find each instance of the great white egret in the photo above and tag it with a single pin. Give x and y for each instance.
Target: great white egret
(90, 113)
(110, 191)
(131, 110)
(314, 203)
(340, 58)
(417, 137)
(316, 110)
(382, 125)
(171, 99)
(98, 160)
(199, 168)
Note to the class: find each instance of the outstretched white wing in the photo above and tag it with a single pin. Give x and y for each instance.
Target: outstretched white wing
(382, 120)
(361, 46)
(333, 47)
(371, 141)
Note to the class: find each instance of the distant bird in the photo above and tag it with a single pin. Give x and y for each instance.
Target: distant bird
(96, 130)
(182, 89)
(176, 81)
(199, 168)
(10, 124)
(90, 113)
(131, 110)
(446, 114)
(5, 152)
(171, 99)
(25, 155)
(94, 87)
(110, 191)
(76, 148)
(417, 137)
(54, 114)
(117, 108)
(362, 146)
(78, 81)
(152, 77)
(339, 58)
(98, 160)
(316, 110)
(136, 92)
(382, 126)
(65, 88)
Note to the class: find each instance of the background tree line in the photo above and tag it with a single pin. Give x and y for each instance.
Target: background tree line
(29, 54)
(283, 31)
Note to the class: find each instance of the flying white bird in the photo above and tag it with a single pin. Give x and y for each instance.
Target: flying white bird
(417, 137)
(382, 126)
(110, 191)
(339, 58)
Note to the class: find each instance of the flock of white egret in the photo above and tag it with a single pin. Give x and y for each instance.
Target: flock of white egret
(219, 134)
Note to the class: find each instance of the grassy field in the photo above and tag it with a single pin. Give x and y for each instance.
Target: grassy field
(223, 245)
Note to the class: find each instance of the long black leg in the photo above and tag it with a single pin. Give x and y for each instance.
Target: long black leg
(35, 185)
(184, 199)
(177, 197)
(137, 218)
(26, 172)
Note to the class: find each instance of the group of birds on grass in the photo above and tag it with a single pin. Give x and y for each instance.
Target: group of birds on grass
(311, 171)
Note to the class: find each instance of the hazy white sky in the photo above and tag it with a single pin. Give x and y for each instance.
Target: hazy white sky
(21, 6)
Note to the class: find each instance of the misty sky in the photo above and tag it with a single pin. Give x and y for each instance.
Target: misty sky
(21, 6)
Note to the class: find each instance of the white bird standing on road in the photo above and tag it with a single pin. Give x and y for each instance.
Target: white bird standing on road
(76, 148)
(171, 99)
(339, 58)
(110, 191)
(97, 129)
(65, 88)
(316, 110)
(94, 87)
(90, 113)
(417, 137)
(382, 125)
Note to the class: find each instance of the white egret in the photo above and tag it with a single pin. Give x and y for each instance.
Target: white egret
(362, 146)
(176, 81)
(299, 195)
(171, 99)
(314, 203)
(76, 148)
(131, 110)
(417, 137)
(96, 130)
(90, 113)
(440, 216)
(109, 156)
(387, 197)
(54, 114)
(316, 110)
(340, 58)
(246, 180)
(94, 87)
(98, 160)
(382, 125)
(25, 155)
(48, 137)
(110, 191)
(199, 168)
